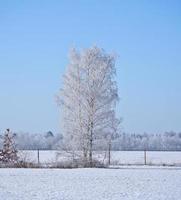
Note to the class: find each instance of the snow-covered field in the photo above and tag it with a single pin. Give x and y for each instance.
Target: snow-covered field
(117, 157)
(91, 184)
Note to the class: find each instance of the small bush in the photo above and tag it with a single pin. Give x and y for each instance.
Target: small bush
(78, 163)
(23, 164)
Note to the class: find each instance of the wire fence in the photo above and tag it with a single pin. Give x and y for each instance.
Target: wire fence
(168, 158)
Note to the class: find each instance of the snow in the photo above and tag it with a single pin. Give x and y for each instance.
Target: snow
(91, 184)
(153, 157)
(117, 157)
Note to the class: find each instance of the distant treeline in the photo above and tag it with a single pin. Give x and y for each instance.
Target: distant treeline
(168, 141)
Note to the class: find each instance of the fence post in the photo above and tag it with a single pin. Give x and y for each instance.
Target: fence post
(38, 157)
(145, 156)
(109, 153)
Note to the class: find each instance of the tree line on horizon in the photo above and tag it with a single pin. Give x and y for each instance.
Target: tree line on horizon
(167, 141)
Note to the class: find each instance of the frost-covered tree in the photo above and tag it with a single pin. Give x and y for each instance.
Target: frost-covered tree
(88, 99)
(70, 99)
(8, 154)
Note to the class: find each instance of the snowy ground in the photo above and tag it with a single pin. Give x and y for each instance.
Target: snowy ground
(117, 157)
(91, 184)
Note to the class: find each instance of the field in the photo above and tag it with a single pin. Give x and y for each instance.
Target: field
(117, 157)
(126, 179)
(140, 183)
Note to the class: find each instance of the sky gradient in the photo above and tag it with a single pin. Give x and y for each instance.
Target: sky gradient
(35, 37)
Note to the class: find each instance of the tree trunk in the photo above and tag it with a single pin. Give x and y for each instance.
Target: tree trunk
(90, 145)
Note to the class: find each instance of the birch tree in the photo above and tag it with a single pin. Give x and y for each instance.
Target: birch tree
(88, 99)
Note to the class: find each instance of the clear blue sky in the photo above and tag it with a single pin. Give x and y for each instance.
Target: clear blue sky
(35, 37)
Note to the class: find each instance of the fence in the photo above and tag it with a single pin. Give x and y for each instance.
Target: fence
(114, 157)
